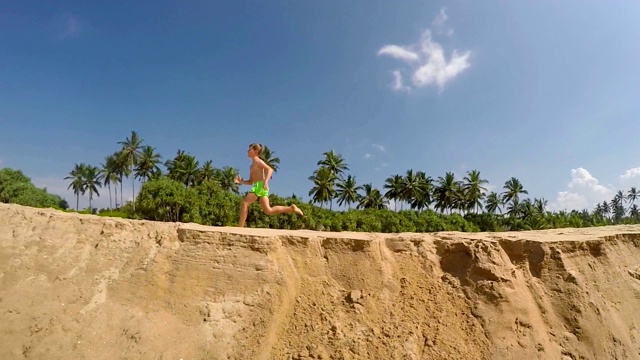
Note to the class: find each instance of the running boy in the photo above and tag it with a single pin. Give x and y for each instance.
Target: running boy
(260, 189)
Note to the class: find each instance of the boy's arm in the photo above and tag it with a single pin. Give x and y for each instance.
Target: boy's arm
(269, 172)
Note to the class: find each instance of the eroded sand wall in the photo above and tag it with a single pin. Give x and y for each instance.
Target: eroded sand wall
(81, 286)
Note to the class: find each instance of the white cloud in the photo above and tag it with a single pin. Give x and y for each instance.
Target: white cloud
(584, 192)
(630, 175)
(367, 156)
(399, 52)
(427, 61)
(437, 70)
(581, 178)
(398, 83)
(569, 201)
(441, 18)
(379, 147)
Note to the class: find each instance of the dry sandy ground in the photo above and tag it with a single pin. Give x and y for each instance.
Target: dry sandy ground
(83, 287)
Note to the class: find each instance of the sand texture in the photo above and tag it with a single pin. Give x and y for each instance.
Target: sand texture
(86, 287)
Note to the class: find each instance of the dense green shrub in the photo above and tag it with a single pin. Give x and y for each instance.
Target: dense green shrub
(17, 188)
(164, 199)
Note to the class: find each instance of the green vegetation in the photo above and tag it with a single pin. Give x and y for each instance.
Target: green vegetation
(17, 188)
(187, 191)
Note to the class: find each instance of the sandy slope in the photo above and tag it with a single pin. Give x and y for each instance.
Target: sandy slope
(83, 287)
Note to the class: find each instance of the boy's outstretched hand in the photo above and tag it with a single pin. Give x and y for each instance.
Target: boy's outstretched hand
(238, 179)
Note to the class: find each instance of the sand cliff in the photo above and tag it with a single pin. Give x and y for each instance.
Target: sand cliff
(85, 287)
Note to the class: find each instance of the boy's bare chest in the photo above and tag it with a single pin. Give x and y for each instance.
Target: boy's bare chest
(255, 169)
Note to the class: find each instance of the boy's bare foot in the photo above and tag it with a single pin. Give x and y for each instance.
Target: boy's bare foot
(297, 210)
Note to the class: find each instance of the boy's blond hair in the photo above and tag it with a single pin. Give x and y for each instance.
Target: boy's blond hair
(257, 147)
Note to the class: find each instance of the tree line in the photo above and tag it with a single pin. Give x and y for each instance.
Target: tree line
(444, 194)
(188, 191)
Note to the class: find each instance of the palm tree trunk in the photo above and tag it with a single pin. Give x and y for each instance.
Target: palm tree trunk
(133, 191)
(109, 185)
(121, 192)
(77, 201)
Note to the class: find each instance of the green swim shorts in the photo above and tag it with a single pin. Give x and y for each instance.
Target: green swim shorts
(259, 190)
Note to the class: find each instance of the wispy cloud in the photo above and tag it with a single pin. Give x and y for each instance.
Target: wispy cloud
(398, 83)
(426, 60)
(70, 26)
(398, 52)
(379, 147)
(367, 156)
(441, 18)
(439, 23)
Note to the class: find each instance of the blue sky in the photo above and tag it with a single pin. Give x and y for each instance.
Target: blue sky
(544, 91)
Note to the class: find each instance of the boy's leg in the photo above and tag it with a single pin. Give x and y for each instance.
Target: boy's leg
(266, 207)
(244, 207)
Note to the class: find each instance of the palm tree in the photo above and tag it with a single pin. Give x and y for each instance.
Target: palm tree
(334, 162)
(493, 203)
(92, 182)
(226, 178)
(395, 186)
(347, 191)
(108, 175)
(121, 169)
(540, 205)
(514, 208)
(189, 170)
(513, 188)
(446, 192)
(77, 181)
(411, 189)
(618, 199)
(270, 159)
(527, 209)
(148, 163)
(474, 189)
(422, 197)
(372, 198)
(130, 154)
(323, 186)
(632, 196)
(183, 168)
(336, 165)
(606, 210)
(173, 165)
(207, 172)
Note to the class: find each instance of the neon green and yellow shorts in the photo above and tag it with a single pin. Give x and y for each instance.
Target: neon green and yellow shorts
(259, 190)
